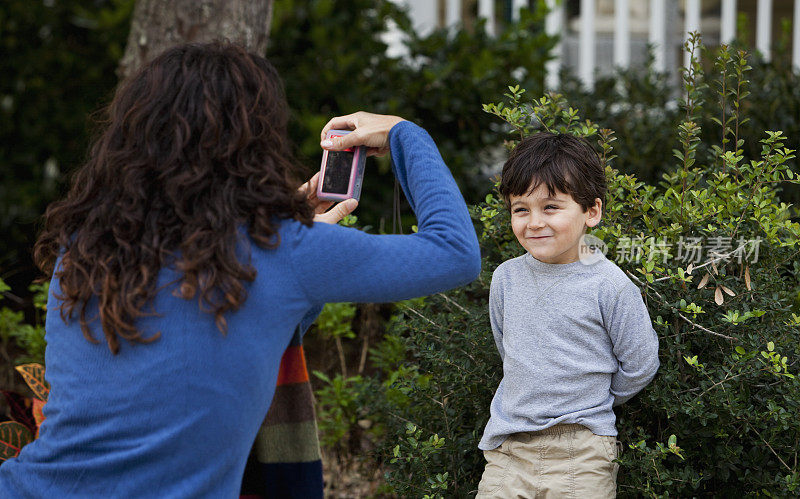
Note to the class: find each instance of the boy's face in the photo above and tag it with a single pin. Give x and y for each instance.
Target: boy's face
(550, 229)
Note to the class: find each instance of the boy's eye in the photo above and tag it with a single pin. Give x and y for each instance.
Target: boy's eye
(518, 210)
(551, 206)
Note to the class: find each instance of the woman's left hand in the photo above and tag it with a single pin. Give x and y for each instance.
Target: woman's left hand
(322, 214)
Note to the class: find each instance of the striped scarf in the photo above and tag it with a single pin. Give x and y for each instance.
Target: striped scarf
(285, 461)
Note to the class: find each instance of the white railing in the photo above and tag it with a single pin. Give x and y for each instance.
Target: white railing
(424, 15)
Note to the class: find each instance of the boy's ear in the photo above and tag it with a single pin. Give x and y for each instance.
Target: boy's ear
(595, 213)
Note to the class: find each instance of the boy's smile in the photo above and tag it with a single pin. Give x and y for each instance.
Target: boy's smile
(548, 228)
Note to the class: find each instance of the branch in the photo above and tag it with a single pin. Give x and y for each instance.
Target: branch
(770, 448)
(454, 303)
(423, 317)
(723, 380)
(714, 260)
(664, 302)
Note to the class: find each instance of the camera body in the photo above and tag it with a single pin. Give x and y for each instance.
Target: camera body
(342, 172)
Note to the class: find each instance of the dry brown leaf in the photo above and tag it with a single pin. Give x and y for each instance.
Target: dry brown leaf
(727, 290)
(718, 296)
(714, 266)
(704, 281)
(747, 278)
(690, 268)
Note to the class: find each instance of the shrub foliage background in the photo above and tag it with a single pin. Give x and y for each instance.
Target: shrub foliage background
(638, 104)
(720, 418)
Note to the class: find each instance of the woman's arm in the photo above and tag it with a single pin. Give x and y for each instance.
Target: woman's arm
(334, 263)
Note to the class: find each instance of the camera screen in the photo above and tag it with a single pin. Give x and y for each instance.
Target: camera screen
(337, 172)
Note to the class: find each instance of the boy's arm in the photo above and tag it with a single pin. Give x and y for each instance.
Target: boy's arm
(634, 342)
(496, 313)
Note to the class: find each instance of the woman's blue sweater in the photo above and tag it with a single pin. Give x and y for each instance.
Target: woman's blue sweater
(177, 417)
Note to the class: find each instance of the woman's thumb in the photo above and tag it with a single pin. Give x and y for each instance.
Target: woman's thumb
(346, 207)
(338, 212)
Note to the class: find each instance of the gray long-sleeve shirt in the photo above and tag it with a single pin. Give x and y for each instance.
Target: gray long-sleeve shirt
(575, 340)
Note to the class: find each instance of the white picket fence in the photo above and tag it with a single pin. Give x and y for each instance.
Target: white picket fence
(424, 14)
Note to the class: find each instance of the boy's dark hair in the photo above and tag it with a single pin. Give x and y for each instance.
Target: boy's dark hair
(561, 161)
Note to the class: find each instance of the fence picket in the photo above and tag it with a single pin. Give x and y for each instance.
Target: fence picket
(658, 33)
(554, 24)
(516, 5)
(622, 33)
(764, 27)
(691, 23)
(486, 11)
(796, 36)
(453, 13)
(587, 44)
(728, 21)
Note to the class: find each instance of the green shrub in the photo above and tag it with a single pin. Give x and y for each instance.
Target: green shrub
(346, 427)
(720, 418)
(639, 105)
(15, 331)
(337, 412)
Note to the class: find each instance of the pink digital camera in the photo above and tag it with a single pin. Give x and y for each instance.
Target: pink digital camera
(341, 172)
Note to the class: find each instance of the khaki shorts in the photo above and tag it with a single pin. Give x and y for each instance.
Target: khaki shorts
(565, 460)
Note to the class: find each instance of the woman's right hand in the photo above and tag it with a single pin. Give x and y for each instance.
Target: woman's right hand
(370, 130)
(321, 212)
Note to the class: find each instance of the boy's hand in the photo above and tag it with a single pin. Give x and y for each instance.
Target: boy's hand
(370, 130)
(320, 207)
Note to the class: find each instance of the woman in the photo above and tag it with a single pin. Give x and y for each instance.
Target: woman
(184, 257)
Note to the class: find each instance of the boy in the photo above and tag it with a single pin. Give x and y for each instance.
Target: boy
(571, 328)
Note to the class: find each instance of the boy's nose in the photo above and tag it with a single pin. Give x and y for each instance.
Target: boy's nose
(535, 223)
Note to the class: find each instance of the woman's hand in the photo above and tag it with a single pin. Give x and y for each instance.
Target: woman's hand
(371, 130)
(333, 216)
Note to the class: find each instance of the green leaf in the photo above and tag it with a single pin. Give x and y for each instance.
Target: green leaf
(324, 377)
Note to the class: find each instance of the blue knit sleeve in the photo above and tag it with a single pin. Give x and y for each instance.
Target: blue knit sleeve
(334, 263)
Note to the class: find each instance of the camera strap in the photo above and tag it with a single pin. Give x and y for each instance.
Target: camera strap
(397, 220)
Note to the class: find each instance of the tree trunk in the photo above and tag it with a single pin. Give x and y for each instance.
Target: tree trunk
(159, 24)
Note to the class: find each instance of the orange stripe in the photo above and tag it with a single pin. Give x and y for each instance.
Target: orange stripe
(293, 366)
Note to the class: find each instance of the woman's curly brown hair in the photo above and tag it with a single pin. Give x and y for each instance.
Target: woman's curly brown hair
(193, 147)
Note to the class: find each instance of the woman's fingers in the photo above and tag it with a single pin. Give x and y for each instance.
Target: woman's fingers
(348, 122)
(358, 137)
(373, 151)
(310, 187)
(370, 130)
(322, 206)
(338, 212)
